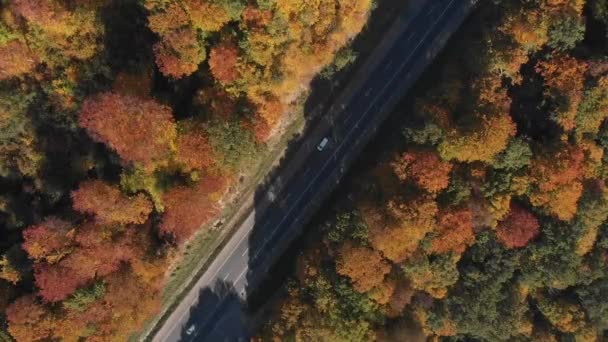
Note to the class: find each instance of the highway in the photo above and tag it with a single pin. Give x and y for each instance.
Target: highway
(212, 310)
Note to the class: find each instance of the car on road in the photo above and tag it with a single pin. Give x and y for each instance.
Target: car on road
(322, 144)
(191, 329)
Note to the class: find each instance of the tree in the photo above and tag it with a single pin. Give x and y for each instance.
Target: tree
(50, 240)
(17, 59)
(58, 32)
(232, 144)
(56, 282)
(96, 252)
(552, 260)
(557, 181)
(397, 230)
(19, 144)
(592, 300)
(424, 168)
(528, 28)
(480, 144)
(565, 32)
(484, 303)
(516, 156)
(364, 266)
(518, 228)
(564, 77)
(132, 303)
(109, 205)
(566, 316)
(454, 232)
(592, 111)
(140, 131)
(97, 258)
(208, 15)
(8, 271)
(194, 151)
(433, 276)
(591, 214)
(223, 63)
(28, 320)
(84, 297)
(188, 208)
(179, 53)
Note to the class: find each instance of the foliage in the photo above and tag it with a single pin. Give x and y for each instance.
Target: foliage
(84, 297)
(109, 205)
(233, 145)
(425, 169)
(518, 227)
(364, 266)
(123, 124)
(187, 208)
(346, 226)
(140, 131)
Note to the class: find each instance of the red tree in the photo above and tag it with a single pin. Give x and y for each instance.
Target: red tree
(223, 62)
(455, 231)
(50, 240)
(518, 228)
(140, 131)
(109, 205)
(56, 282)
(186, 209)
(28, 320)
(132, 303)
(194, 150)
(426, 169)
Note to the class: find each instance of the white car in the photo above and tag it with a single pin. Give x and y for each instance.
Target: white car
(191, 329)
(322, 144)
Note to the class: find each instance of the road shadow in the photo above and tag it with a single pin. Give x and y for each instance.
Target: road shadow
(217, 317)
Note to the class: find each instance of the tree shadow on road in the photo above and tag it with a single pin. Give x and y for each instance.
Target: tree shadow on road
(213, 318)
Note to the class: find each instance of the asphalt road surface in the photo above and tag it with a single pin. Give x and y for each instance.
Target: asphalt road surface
(213, 309)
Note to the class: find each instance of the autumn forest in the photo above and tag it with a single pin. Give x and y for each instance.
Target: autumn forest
(480, 213)
(124, 127)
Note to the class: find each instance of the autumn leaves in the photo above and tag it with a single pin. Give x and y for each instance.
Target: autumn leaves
(122, 126)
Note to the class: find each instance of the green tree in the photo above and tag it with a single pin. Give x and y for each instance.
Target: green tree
(233, 144)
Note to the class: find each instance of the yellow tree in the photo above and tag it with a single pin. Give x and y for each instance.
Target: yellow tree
(425, 168)
(556, 179)
(395, 231)
(364, 266)
(564, 77)
(109, 205)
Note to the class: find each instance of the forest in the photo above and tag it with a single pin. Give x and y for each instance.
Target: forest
(481, 215)
(124, 127)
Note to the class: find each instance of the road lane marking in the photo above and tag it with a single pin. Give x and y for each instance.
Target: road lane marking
(411, 35)
(327, 162)
(245, 252)
(236, 281)
(181, 317)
